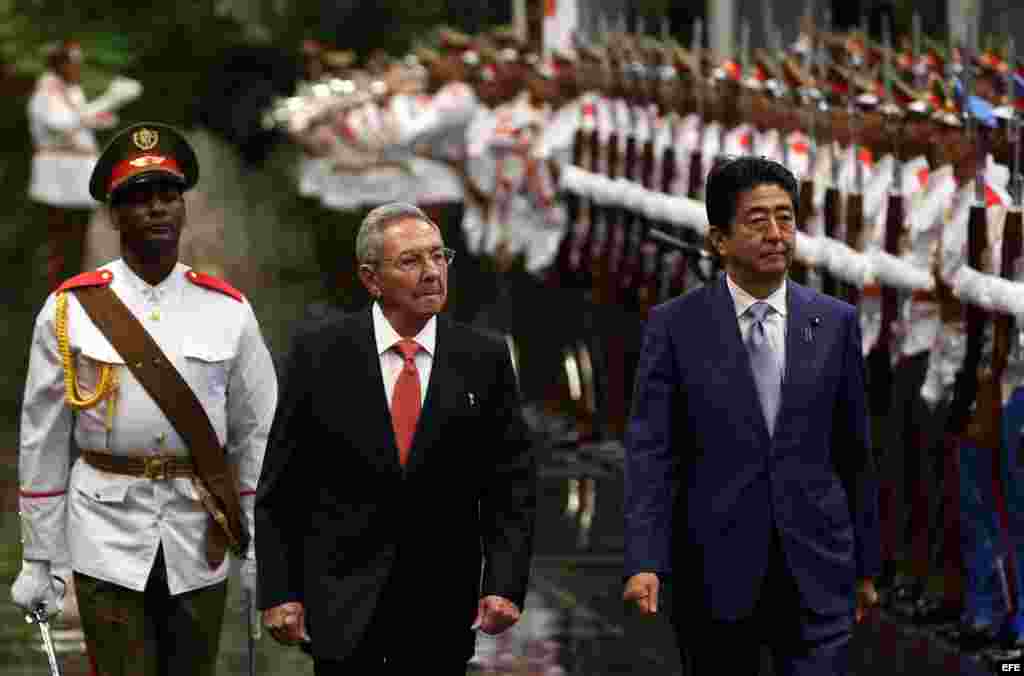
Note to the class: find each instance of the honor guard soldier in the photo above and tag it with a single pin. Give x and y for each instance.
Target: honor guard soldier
(62, 125)
(162, 377)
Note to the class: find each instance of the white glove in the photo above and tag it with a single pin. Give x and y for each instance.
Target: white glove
(35, 586)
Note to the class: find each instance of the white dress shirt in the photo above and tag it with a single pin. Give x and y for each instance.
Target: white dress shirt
(391, 360)
(774, 323)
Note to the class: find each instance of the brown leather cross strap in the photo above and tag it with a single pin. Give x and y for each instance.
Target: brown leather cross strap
(156, 467)
(172, 394)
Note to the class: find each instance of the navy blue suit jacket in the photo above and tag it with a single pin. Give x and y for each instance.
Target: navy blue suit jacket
(706, 483)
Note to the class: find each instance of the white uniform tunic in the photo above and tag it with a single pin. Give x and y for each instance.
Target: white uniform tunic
(115, 522)
(65, 147)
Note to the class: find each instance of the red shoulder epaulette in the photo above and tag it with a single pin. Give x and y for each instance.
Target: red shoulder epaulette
(94, 278)
(215, 283)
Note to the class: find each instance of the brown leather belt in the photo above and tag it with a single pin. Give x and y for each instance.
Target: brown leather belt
(156, 467)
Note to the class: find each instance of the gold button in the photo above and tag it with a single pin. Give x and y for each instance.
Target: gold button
(138, 364)
(105, 275)
(155, 315)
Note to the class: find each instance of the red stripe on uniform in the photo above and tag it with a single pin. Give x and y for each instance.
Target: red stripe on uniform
(244, 493)
(41, 494)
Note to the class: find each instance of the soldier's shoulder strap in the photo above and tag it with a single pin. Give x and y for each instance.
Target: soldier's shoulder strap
(85, 279)
(173, 395)
(214, 283)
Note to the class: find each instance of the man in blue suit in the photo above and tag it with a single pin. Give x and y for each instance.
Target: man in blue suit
(749, 473)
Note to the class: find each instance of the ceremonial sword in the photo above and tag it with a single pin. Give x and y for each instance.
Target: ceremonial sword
(39, 617)
(253, 628)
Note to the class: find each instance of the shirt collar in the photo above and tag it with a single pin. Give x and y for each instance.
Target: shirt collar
(169, 284)
(743, 300)
(387, 337)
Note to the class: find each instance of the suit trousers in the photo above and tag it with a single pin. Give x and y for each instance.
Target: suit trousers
(800, 641)
(400, 640)
(151, 633)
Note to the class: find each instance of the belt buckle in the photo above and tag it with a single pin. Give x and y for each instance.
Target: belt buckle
(155, 468)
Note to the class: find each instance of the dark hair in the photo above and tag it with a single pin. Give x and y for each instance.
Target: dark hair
(734, 175)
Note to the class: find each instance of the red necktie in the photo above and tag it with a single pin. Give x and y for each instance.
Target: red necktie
(405, 400)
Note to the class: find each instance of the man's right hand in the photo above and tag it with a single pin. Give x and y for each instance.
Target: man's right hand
(642, 590)
(35, 587)
(286, 623)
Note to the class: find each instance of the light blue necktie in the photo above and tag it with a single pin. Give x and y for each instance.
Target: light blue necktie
(764, 363)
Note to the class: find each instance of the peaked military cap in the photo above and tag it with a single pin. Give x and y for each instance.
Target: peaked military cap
(143, 153)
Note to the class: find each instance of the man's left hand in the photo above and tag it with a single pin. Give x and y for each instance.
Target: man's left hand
(867, 597)
(495, 614)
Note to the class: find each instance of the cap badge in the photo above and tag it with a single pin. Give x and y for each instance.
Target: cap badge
(146, 139)
(146, 161)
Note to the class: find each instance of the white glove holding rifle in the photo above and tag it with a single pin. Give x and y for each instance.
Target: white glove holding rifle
(35, 586)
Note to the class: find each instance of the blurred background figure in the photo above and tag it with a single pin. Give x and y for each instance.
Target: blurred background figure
(62, 124)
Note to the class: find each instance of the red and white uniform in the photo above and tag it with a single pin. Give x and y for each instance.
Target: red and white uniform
(114, 523)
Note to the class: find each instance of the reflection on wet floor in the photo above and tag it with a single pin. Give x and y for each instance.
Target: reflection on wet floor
(574, 624)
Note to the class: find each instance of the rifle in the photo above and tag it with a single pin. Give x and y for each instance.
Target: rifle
(829, 285)
(567, 262)
(656, 277)
(880, 359)
(810, 96)
(966, 385)
(695, 189)
(642, 272)
(655, 273)
(854, 206)
(635, 225)
(596, 222)
(985, 429)
(606, 233)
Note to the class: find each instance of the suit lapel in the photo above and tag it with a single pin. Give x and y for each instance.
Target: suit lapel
(377, 411)
(734, 360)
(799, 341)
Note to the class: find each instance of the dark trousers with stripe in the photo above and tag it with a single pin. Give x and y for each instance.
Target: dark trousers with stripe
(151, 633)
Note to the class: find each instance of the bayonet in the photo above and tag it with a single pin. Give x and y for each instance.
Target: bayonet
(829, 284)
(1013, 127)
(696, 176)
(917, 57)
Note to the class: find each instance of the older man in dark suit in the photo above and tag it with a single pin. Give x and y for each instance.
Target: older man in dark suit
(749, 476)
(398, 465)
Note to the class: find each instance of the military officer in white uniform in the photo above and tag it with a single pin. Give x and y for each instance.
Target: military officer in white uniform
(151, 591)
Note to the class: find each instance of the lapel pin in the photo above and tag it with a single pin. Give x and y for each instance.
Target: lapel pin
(809, 330)
(472, 399)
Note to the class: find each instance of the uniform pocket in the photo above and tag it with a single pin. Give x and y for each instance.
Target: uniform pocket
(209, 366)
(90, 359)
(102, 486)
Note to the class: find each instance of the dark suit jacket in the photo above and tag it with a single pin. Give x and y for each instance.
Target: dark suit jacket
(706, 484)
(338, 518)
